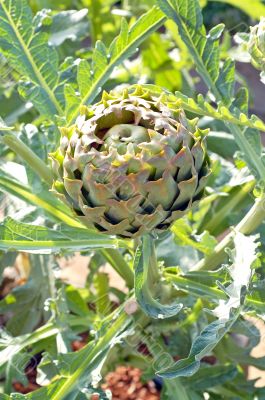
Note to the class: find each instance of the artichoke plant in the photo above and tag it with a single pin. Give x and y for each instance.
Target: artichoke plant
(130, 164)
(256, 45)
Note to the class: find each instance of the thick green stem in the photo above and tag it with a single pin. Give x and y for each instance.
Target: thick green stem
(203, 291)
(117, 261)
(24, 152)
(249, 223)
(194, 287)
(71, 382)
(153, 272)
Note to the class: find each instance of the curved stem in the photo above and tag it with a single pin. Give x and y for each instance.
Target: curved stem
(153, 271)
(71, 381)
(28, 155)
(117, 261)
(249, 223)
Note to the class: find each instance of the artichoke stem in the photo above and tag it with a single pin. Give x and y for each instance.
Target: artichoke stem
(153, 271)
(24, 152)
(116, 260)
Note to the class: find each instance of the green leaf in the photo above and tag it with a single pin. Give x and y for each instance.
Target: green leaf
(26, 302)
(196, 284)
(204, 49)
(226, 79)
(222, 143)
(201, 106)
(217, 219)
(243, 256)
(144, 262)
(75, 301)
(242, 354)
(211, 376)
(102, 302)
(105, 60)
(10, 346)
(75, 369)
(15, 235)
(173, 387)
(29, 54)
(202, 345)
(185, 237)
(83, 77)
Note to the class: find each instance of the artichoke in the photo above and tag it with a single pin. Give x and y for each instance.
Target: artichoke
(130, 164)
(256, 45)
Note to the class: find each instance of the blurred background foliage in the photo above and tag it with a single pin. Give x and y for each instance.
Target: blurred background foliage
(74, 26)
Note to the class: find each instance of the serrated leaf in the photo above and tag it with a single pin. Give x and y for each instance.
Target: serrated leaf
(202, 345)
(75, 369)
(84, 79)
(100, 59)
(72, 100)
(29, 54)
(104, 60)
(15, 235)
(188, 17)
(226, 79)
(216, 32)
(254, 139)
(202, 107)
(244, 254)
(26, 302)
(241, 100)
(120, 42)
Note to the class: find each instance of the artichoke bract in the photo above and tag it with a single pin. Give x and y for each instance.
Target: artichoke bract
(130, 165)
(256, 45)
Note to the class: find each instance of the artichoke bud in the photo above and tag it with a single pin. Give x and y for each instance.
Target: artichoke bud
(256, 45)
(131, 164)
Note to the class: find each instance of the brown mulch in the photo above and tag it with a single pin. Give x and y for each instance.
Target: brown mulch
(125, 384)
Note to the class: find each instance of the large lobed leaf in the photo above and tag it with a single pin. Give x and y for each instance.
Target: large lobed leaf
(91, 77)
(29, 53)
(228, 311)
(74, 371)
(15, 235)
